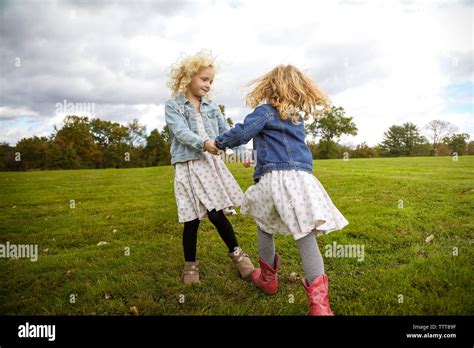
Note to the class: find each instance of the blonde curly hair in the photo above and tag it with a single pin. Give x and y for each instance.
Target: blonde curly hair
(291, 92)
(185, 68)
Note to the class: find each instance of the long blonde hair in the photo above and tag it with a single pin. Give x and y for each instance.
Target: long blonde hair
(185, 68)
(290, 91)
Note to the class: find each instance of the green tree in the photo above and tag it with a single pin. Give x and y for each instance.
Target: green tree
(32, 152)
(404, 140)
(470, 148)
(363, 151)
(56, 158)
(114, 142)
(156, 151)
(77, 143)
(7, 157)
(330, 127)
(457, 142)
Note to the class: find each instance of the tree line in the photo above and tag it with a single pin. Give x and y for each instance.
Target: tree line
(88, 143)
(84, 143)
(399, 140)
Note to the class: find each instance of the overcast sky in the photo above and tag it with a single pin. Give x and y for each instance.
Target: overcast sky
(385, 62)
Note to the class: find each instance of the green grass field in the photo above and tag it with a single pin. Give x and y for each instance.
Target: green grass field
(401, 274)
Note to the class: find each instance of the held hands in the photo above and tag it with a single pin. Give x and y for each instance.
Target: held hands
(247, 162)
(211, 147)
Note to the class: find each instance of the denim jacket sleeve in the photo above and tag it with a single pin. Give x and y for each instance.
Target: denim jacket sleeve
(180, 129)
(224, 127)
(242, 133)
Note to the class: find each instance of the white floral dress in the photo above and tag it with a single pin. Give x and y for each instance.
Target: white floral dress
(292, 202)
(204, 184)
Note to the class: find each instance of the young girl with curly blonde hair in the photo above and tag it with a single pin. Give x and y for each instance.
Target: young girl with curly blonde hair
(203, 185)
(286, 197)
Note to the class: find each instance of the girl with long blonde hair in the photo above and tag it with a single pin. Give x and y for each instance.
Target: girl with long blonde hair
(286, 198)
(203, 185)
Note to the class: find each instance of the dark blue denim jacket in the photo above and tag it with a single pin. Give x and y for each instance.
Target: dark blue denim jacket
(279, 143)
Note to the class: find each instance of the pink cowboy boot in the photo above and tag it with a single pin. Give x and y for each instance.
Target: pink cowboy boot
(266, 278)
(318, 296)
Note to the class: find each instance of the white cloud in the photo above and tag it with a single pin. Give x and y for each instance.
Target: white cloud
(7, 112)
(385, 62)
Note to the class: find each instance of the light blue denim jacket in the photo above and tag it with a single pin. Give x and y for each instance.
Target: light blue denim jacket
(186, 142)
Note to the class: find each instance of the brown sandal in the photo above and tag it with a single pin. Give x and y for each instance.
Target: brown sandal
(243, 263)
(191, 273)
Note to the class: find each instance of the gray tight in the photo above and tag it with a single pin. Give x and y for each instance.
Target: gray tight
(313, 264)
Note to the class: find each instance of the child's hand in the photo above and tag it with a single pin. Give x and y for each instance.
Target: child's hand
(211, 147)
(247, 162)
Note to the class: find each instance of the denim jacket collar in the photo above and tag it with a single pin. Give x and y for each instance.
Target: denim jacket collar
(182, 100)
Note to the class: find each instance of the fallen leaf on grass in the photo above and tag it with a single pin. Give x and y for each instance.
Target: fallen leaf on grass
(134, 310)
(101, 243)
(293, 277)
(107, 295)
(429, 238)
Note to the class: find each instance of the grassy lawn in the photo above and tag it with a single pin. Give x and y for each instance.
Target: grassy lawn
(392, 206)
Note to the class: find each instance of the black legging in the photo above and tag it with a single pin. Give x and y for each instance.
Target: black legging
(223, 226)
